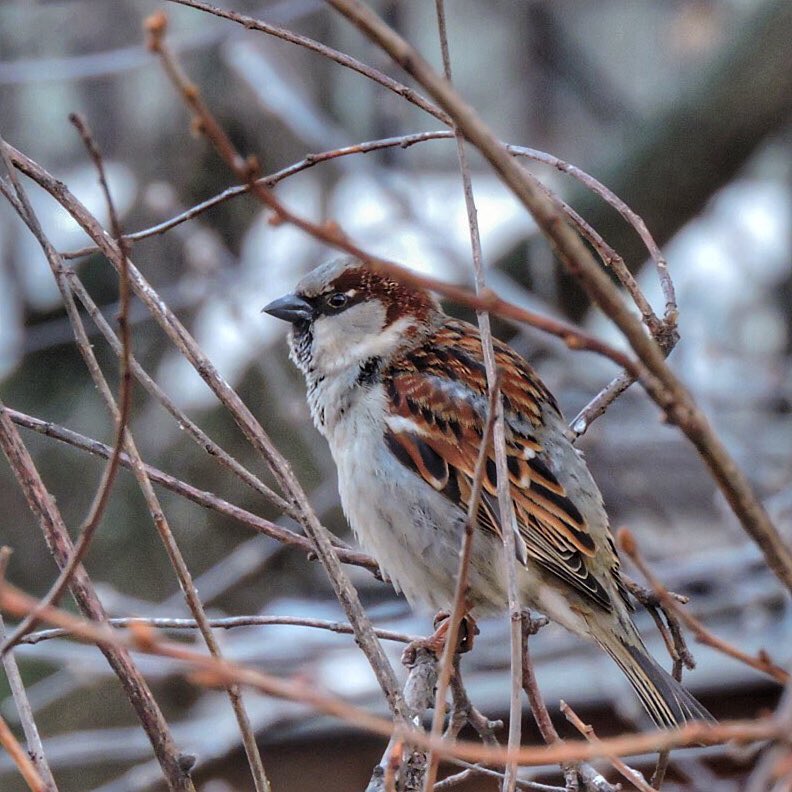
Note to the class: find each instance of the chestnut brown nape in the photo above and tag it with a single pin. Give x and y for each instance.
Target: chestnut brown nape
(398, 298)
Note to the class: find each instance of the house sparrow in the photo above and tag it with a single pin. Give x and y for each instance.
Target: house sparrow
(399, 390)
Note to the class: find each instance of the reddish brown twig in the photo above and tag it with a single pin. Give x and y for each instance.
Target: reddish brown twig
(331, 233)
(633, 776)
(761, 661)
(18, 756)
(251, 23)
(219, 671)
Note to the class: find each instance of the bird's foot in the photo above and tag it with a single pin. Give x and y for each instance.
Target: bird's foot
(436, 642)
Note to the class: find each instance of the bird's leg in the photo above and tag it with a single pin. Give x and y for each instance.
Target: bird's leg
(435, 643)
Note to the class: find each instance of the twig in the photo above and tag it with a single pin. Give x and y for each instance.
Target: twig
(226, 623)
(460, 592)
(250, 23)
(35, 748)
(102, 496)
(674, 639)
(246, 171)
(505, 505)
(597, 406)
(152, 502)
(392, 766)
(25, 766)
(544, 722)
(761, 661)
(663, 385)
(633, 776)
(219, 671)
(201, 497)
(137, 691)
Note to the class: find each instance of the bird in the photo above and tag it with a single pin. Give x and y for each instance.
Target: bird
(399, 390)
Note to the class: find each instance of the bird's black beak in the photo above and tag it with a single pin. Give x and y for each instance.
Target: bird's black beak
(291, 308)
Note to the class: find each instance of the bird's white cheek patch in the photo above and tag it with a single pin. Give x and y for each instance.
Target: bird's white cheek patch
(355, 336)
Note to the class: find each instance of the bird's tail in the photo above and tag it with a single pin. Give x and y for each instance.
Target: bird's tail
(668, 704)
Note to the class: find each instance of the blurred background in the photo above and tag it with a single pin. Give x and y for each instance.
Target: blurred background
(682, 107)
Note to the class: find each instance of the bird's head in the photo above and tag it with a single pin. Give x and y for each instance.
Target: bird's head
(343, 315)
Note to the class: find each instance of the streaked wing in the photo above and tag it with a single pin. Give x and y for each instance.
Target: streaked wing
(437, 400)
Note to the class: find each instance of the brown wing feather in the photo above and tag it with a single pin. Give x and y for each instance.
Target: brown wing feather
(440, 388)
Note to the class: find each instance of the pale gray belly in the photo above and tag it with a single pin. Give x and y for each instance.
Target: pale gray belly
(413, 531)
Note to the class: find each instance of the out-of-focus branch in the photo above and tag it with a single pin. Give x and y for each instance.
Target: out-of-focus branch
(35, 748)
(17, 753)
(219, 671)
(633, 776)
(42, 504)
(663, 386)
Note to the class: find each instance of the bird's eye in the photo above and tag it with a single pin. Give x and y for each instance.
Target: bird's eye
(337, 300)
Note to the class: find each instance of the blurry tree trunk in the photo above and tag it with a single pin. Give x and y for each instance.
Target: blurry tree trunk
(698, 144)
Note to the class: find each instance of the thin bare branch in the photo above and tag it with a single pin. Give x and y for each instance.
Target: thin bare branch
(505, 505)
(226, 623)
(35, 748)
(761, 661)
(158, 516)
(633, 776)
(201, 497)
(460, 592)
(17, 753)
